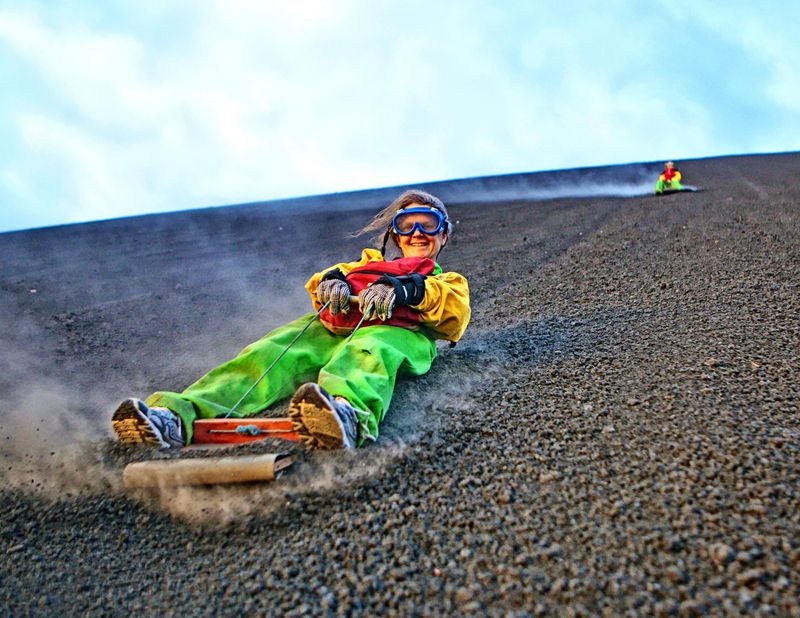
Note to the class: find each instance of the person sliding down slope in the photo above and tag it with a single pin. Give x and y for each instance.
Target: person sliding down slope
(343, 384)
(669, 179)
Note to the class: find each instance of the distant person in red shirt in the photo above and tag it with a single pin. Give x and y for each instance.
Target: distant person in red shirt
(669, 180)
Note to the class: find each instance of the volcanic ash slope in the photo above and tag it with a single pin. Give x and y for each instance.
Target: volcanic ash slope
(617, 433)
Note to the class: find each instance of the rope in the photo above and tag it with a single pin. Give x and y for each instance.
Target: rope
(360, 322)
(280, 356)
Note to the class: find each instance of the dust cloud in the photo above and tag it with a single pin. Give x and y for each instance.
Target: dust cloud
(54, 452)
(48, 446)
(634, 183)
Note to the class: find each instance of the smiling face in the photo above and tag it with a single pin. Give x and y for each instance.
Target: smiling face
(420, 244)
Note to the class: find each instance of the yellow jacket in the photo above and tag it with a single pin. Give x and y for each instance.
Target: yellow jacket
(444, 310)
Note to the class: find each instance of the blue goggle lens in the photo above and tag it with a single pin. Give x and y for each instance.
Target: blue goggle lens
(427, 221)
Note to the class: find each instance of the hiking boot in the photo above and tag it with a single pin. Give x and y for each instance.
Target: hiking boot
(135, 423)
(321, 420)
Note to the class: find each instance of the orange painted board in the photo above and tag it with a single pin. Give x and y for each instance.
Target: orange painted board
(241, 430)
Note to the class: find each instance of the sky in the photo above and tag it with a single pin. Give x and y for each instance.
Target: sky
(113, 108)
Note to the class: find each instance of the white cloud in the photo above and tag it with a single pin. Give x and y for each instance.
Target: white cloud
(768, 34)
(194, 104)
(781, 52)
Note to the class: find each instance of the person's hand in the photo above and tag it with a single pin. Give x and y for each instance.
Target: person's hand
(337, 292)
(377, 299)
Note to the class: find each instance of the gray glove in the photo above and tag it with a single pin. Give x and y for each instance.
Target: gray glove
(337, 292)
(379, 299)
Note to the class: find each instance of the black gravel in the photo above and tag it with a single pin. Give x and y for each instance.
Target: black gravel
(618, 433)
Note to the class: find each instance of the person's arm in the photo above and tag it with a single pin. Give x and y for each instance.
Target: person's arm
(445, 306)
(367, 255)
(677, 176)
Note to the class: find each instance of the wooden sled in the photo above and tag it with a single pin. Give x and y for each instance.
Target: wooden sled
(219, 432)
(242, 430)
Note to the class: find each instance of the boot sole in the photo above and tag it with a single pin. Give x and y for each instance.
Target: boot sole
(313, 420)
(132, 427)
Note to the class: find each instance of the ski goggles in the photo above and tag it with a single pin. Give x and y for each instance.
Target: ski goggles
(429, 221)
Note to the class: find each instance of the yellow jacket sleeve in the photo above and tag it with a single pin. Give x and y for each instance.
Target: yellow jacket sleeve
(677, 176)
(367, 255)
(445, 308)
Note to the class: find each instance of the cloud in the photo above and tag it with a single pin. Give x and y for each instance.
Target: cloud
(126, 109)
(766, 38)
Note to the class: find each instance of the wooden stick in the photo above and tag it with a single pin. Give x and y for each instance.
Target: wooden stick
(206, 470)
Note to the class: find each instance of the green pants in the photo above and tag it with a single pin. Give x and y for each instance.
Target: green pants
(362, 370)
(663, 185)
